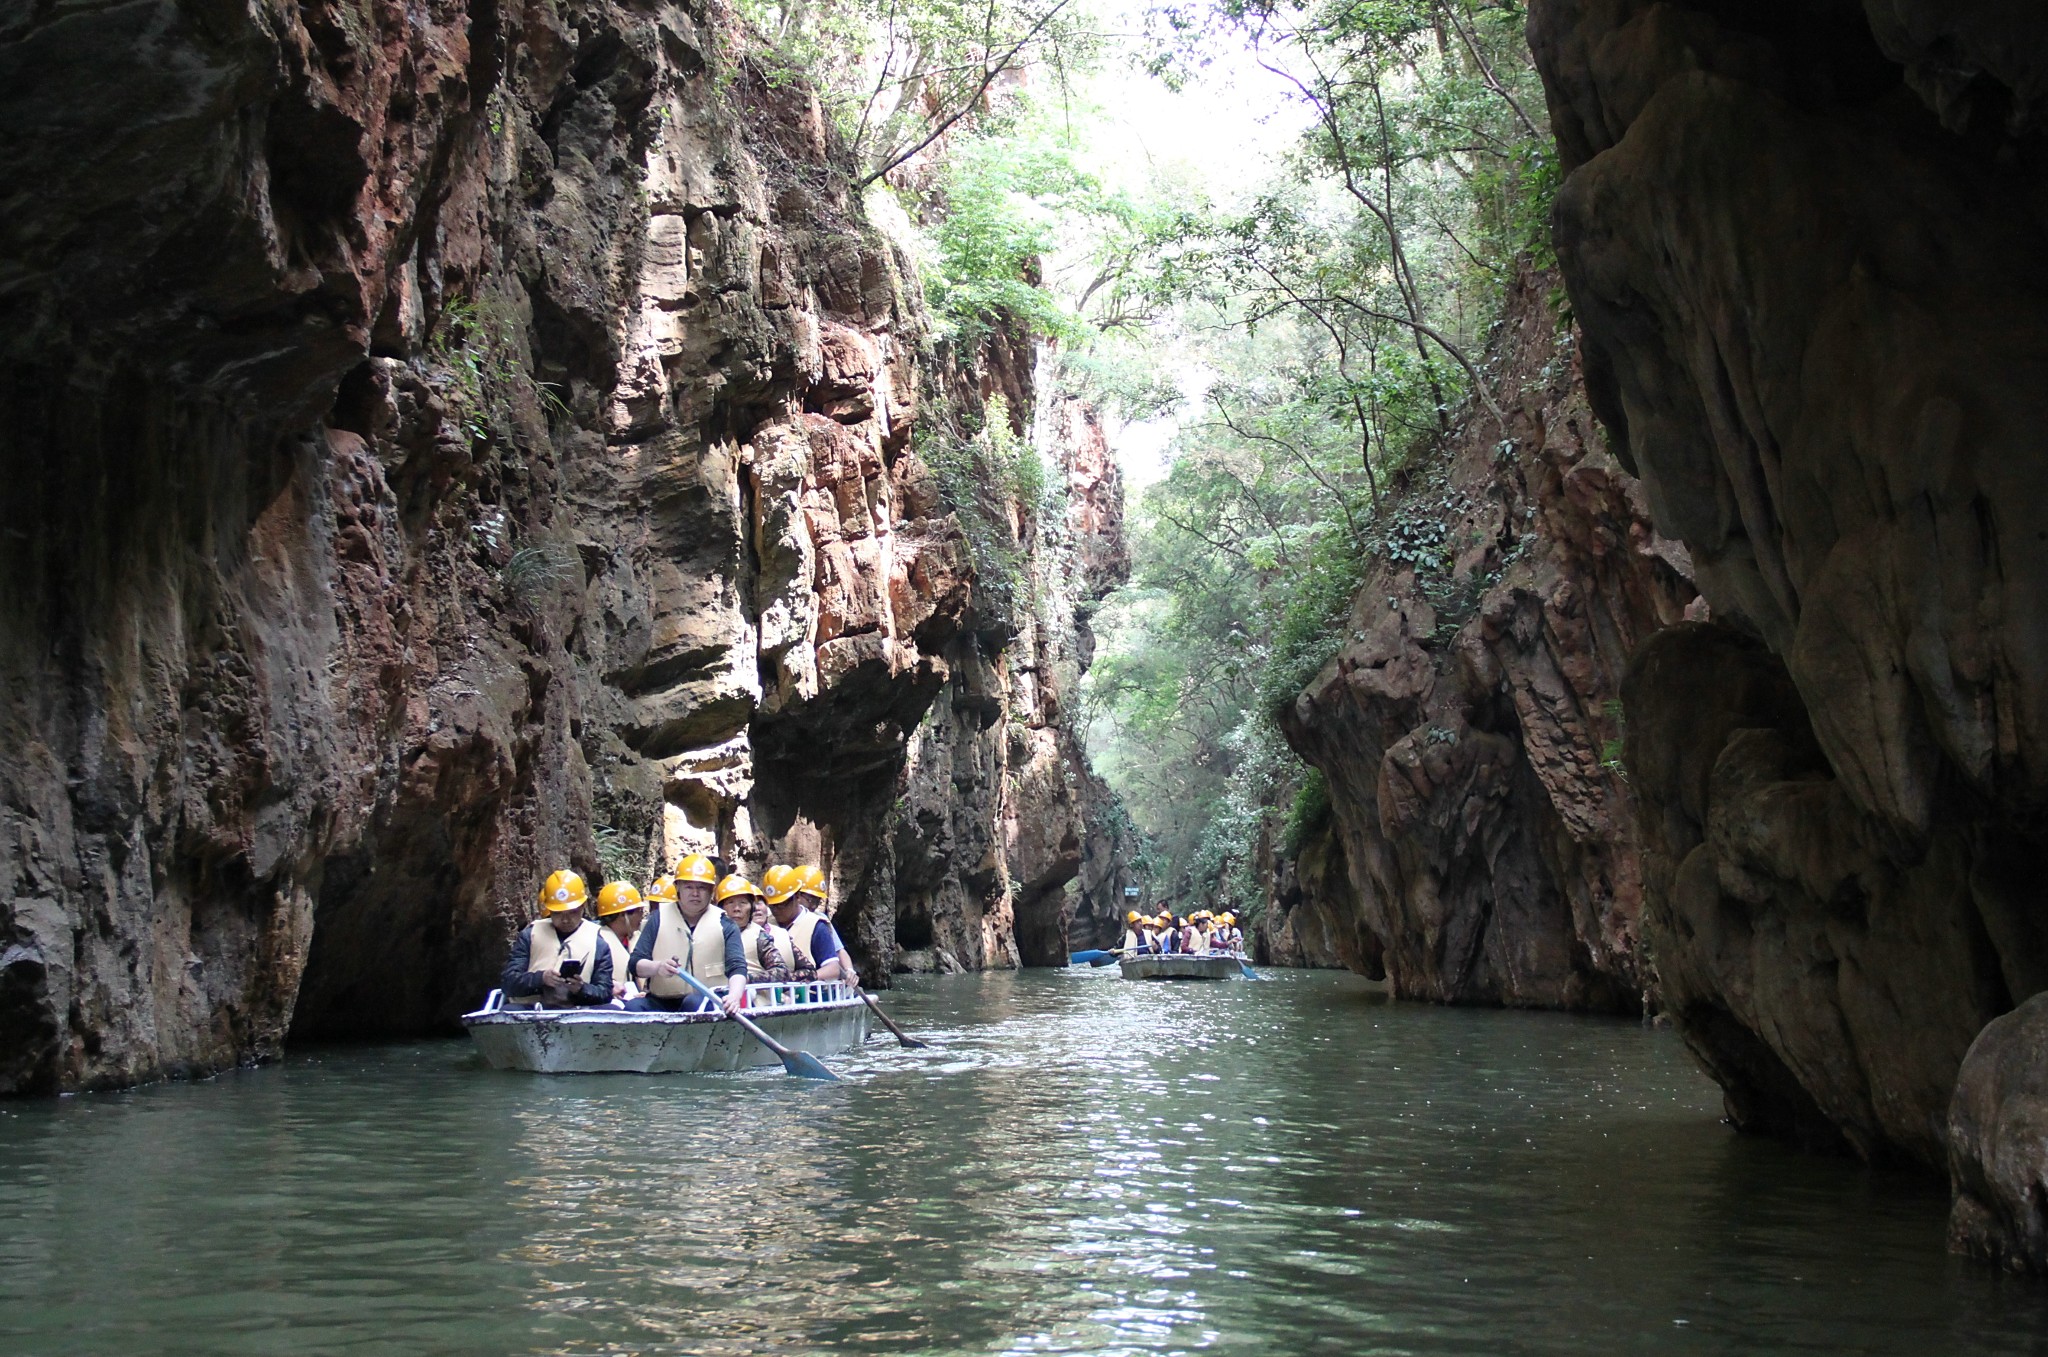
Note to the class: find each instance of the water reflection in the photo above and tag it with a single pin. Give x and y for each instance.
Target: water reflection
(1077, 1165)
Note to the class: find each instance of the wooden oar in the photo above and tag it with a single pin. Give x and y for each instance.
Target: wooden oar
(801, 1064)
(907, 1041)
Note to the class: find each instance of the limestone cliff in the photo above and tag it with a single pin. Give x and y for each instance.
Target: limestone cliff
(446, 443)
(1481, 845)
(996, 811)
(1806, 245)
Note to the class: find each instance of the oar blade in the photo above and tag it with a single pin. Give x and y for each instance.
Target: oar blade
(804, 1065)
(1249, 973)
(903, 1038)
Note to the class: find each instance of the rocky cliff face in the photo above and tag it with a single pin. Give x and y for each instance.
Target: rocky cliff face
(449, 443)
(1805, 243)
(1482, 847)
(997, 812)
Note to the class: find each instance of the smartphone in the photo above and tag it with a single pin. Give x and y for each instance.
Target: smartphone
(573, 966)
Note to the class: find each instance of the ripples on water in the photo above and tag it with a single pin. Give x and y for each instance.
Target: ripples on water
(1078, 1165)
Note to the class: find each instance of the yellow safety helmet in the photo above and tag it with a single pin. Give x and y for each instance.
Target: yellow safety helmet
(1131, 916)
(736, 885)
(616, 898)
(565, 890)
(697, 867)
(662, 891)
(811, 881)
(779, 883)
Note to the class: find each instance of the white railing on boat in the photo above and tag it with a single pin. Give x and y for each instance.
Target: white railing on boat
(770, 996)
(763, 996)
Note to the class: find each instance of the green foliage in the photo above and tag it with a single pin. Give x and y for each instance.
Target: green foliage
(1343, 310)
(533, 572)
(897, 76)
(1014, 205)
(480, 344)
(1002, 203)
(1611, 749)
(1309, 814)
(1311, 628)
(618, 856)
(979, 475)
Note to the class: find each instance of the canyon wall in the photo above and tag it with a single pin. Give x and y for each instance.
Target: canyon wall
(449, 443)
(1481, 845)
(1805, 243)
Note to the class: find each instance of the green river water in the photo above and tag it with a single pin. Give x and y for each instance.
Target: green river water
(1079, 1165)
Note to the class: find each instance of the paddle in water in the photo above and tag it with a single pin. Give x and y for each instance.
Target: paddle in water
(907, 1041)
(801, 1064)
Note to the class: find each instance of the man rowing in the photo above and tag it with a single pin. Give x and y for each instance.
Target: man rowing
(559, 960)
(686, 934)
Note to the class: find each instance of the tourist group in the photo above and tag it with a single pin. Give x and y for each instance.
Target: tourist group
(1169, 935)
(634, 953)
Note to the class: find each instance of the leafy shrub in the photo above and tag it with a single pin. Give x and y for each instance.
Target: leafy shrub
(1310, 812)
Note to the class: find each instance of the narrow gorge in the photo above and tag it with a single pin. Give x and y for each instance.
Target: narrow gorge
(1583, 555)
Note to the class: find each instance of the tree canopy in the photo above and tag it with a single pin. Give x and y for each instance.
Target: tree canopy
(1302, 334)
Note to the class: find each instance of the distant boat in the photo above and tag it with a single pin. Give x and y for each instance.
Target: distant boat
(817, 1016)
(1185, 966)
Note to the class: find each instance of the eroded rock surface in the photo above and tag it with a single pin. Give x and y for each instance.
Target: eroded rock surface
(1482, 846)
(449, 442)
(1806, 247)
(1998, 1142)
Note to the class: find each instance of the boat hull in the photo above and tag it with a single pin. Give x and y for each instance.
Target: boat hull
(1182, 966)
(608, 1041)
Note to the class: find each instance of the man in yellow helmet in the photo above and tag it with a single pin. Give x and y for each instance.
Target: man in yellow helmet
(810, 932)
(619, 912)
(1136, 937)
(558, 960)
(686, 934)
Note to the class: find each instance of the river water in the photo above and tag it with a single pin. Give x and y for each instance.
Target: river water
(1079, 1165)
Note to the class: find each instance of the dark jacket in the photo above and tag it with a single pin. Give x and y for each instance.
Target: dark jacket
(520, 981)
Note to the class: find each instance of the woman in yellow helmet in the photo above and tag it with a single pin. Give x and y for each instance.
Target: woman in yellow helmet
(768, 947)
(811, 934)
(619, 912)
(559, 960)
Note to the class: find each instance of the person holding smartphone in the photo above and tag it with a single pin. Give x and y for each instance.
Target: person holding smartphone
(559, 960)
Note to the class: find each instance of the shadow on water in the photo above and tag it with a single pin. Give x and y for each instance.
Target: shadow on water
(1078, 1164)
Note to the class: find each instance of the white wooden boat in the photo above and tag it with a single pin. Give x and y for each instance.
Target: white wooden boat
(1183, 966)
(818, 1016)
